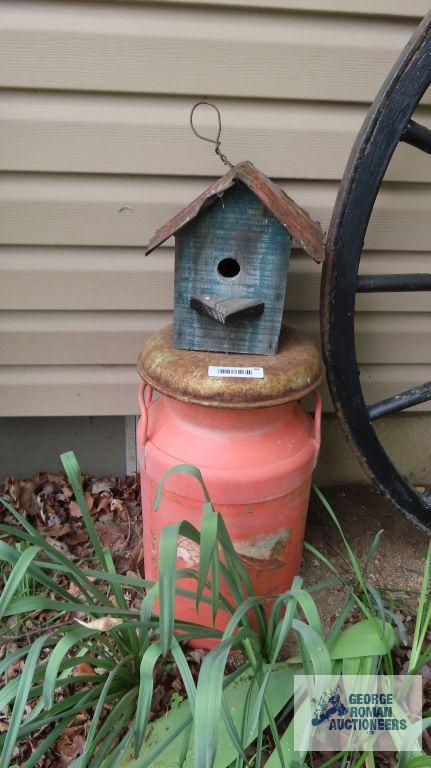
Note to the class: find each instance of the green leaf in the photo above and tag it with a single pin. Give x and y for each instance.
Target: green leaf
(57, 656)
(97, 712)
(36, 603)
(15, 578)
(73, 472)
(423, 618)
(168, 575)
(119, 716)
(163, 739)
(410, 737)
(21, 700)
(187, 469)
(209, 703)
(208, 546)
(184, 670)
(364, 639)
(148, 663)
(353, 559)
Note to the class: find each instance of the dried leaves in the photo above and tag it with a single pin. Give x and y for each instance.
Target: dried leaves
(114, 504)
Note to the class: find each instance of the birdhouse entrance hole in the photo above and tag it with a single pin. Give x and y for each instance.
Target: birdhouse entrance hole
(228, 268)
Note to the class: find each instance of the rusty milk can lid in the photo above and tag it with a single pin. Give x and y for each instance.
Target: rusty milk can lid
(183, 374)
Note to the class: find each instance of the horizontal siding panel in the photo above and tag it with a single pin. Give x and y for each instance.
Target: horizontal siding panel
(110, 338)
(71, 391)
(124, 279)
(57, 338)
(112, 390)
(412, 8)
(143, 135)
(124, 211)
(218, 52)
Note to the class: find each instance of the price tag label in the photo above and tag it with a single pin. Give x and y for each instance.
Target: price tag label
(237, 372)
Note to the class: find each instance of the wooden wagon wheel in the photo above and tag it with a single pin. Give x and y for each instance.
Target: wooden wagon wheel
(388, 122)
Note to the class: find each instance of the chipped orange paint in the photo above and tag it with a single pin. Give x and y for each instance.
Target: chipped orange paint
(257, 465)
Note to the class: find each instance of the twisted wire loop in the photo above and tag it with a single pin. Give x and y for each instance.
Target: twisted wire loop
(217, 140)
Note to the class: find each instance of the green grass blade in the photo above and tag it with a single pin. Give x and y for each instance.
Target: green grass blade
(353, 560)
(215, 586)
(21, 700)
(60, 561)
(232, 731)
(187, 469)
(185, 743)
(167, 576)
(209, 703)
(97, 712)
(410, 738)
(320, 556)
(279, 638)
(185, 673)
(316, 648)
(423, 617)
(338, 624)
(148, 662)
(57, 656)
(36, 603)
(73, 472)
(208, 546)
(16, 576)
(118, 753)
(373, 549)
(112, 727)
(10, 555)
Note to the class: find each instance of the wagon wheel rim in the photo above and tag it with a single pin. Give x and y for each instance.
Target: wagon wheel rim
(387, 123)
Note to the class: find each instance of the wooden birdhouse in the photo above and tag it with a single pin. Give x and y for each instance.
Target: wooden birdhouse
(232, 248)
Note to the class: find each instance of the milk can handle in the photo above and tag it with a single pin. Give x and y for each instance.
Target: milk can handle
(317, 419)
(145, 397)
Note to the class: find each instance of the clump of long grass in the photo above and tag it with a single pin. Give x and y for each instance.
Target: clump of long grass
(223, 714)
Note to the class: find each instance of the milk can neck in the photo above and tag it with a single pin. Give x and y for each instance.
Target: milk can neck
(227, 418)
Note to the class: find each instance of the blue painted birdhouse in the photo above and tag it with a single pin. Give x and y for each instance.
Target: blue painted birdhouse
(232, 249)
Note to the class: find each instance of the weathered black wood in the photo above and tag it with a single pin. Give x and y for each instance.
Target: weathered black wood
(378, 138)
(418, 136)
(226, 310)
(420, 281)
(400, 402)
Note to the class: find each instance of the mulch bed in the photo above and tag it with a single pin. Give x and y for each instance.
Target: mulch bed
(114, 503)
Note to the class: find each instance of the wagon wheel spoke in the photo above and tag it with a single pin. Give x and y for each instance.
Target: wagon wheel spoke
(388, 122)
(419, 281)
(401, 402)
(418, 136)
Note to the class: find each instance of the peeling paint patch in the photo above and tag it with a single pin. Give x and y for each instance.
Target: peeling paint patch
(188, 551)
(262, 552)
(265, 552)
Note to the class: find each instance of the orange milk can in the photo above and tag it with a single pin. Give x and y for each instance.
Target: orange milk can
(254, 444)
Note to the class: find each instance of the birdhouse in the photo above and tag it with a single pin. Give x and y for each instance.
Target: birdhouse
(232, 249)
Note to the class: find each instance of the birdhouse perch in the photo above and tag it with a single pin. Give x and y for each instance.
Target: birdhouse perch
(232, 249)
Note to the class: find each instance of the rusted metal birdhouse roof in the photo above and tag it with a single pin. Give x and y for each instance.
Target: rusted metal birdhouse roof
(299, 224)
(183, 375)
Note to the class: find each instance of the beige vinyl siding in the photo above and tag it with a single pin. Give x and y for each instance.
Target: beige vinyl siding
(96, 153)
(407, 8)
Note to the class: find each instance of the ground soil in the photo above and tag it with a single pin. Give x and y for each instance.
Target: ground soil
(362, 512)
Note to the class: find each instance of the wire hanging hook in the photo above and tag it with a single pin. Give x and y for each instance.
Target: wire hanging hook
(217, 140)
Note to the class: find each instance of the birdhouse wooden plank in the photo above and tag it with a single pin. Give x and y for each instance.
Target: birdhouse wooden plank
(232, 249)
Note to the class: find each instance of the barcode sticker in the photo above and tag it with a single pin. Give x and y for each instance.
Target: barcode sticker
(237, 372)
